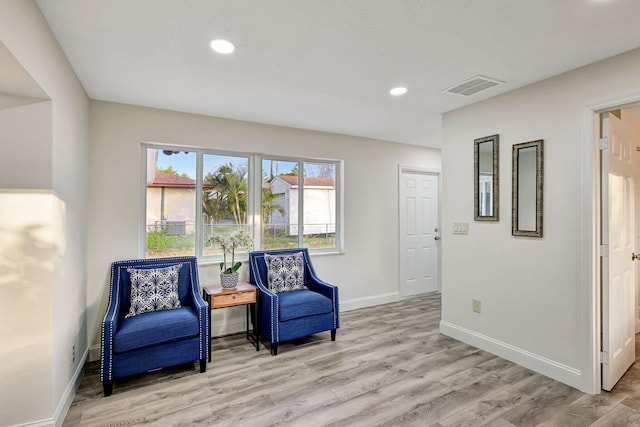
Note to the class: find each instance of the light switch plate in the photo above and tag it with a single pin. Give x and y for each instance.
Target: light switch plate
(476, 305)
(460, 228)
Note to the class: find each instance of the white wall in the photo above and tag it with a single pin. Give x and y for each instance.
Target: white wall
(530, 288)
(26, 232)
(367, 273)
(26, 289)
(61, 255)
(26, 132)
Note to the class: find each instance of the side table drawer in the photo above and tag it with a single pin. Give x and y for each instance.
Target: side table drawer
(233, 299)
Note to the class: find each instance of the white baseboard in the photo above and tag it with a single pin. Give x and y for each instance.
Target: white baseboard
(371, 301)
(70, 391)
(535, 362)
(66, 400)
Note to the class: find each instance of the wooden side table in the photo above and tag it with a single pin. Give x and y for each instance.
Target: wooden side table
(243, 294)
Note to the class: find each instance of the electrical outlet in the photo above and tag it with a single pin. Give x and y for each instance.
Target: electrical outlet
(73, 353)
(476, 305)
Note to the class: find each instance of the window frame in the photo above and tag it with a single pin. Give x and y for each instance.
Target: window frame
(254, 199)
(339, 165)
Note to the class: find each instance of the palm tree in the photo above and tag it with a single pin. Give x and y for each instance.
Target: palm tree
(214, 205)
(227, 195)
(269, 205)
(236, 188)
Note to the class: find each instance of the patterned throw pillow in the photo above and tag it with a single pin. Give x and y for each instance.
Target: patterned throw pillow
(154, 289)
(285, 273)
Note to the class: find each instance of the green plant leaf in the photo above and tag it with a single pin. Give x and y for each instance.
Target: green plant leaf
(235, 267)
(222, 266)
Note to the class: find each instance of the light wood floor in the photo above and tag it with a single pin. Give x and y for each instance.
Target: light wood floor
(388, 367)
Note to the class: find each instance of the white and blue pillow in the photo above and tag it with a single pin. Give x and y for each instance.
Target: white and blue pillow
(154, 289)
(285, 273)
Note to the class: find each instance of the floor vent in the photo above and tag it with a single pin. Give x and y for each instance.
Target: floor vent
(473, 85)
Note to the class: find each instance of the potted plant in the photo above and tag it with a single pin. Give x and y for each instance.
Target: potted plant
(229, 242)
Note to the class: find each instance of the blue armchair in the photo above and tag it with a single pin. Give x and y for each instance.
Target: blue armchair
(134, 343)
(294, 314)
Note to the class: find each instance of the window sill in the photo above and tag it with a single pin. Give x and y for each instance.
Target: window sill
(245, 258)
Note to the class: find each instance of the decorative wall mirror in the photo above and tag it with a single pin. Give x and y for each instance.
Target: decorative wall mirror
(527, 189)
(485, 174)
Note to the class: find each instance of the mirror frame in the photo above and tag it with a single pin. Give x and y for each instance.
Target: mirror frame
(476, 178)
(539, 145)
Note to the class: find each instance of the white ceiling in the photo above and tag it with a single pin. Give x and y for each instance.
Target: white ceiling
(329, 64)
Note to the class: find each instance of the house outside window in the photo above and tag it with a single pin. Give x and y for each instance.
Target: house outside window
(299, 210)
(193, 194)
(170, 203)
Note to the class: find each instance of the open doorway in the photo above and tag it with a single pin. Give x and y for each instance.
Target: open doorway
(619, 132)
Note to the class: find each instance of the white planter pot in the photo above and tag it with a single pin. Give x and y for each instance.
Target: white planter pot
(229, 280)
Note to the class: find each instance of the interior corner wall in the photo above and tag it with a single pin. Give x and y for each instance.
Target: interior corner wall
(530, 288)
(57, 244)
(25, 138)
(367, 273)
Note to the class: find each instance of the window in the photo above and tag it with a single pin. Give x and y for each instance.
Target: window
(192, 195)
(225, 189)
(298, 209)
(171, 201)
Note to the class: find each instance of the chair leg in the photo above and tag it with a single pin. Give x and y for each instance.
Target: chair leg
(203, 365)
(333, 335)
(107, 386)
(274, 349)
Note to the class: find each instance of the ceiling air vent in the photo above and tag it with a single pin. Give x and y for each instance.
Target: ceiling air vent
(473, 85)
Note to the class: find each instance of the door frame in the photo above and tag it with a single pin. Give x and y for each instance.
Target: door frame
(423, 171)
(590, 271)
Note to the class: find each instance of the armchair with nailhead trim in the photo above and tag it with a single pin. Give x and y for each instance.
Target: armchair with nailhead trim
(158, 337)
(287, 315)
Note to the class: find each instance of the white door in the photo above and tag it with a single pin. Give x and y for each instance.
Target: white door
(618, 269)
(419, 236)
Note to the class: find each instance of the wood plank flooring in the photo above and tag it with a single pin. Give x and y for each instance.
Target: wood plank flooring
(389, 367)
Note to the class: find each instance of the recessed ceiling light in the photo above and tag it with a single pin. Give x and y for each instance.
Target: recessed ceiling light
(222, 46)
(398, 91)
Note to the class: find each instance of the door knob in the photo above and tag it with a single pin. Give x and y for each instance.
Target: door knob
(438, 238)
(635, 256)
